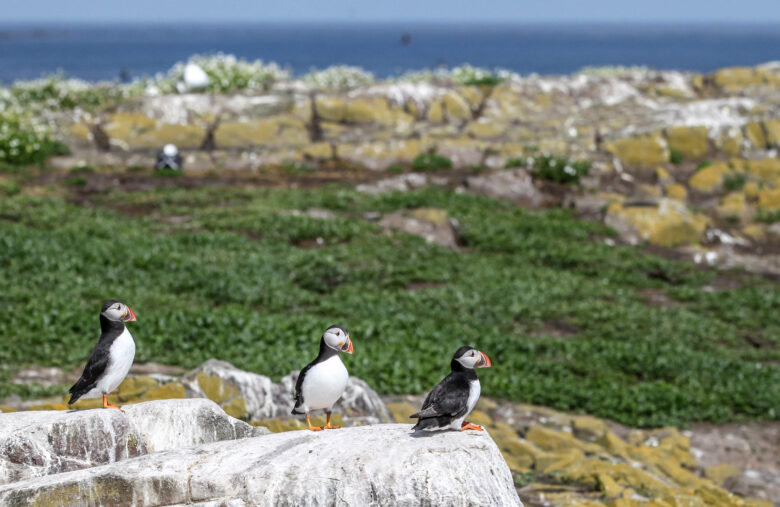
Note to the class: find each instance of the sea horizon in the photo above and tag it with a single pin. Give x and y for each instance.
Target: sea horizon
(101, 51)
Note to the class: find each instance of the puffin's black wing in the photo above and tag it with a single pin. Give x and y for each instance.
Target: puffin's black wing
(298, 391)
(447, 401)
(96, 366)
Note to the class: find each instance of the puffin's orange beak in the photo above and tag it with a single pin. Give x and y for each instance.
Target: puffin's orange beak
(348, 346)
(129, 316)
(484, 361)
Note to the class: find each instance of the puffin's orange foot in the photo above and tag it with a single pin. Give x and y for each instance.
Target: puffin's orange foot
(106, 404)
(469, 426)
(313, 428)
(328, 425)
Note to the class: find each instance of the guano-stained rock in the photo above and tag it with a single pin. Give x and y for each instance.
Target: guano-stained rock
(37, 443)
(367, 465)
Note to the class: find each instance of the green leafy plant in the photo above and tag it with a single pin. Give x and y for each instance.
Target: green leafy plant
(734, 181)
(559, 169)
(768, 216)
(675, 156)
(252, 264)
(431, 162)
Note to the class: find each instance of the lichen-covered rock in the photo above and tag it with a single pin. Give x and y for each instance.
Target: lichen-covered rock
(754, 132)
(668, 223)
(645, 151)
(369, 465)
(710, 178)
(769, 199)
(691, 142)
(36, 443)
(515, 185)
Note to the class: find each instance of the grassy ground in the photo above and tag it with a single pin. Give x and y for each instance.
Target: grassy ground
(222, 272)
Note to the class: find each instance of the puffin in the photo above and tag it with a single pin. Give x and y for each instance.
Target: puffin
(111, 358)
(322, 382)
(169, 158)
(448, 404)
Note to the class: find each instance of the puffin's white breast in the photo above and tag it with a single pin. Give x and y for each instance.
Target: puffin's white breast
(324, 383)
(120, 359)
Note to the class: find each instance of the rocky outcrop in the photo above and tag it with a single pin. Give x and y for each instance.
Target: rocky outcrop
(36, 443)
(340, 467)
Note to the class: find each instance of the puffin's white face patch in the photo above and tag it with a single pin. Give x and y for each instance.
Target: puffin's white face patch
(469, 359)
(335, 337)
(116, 311)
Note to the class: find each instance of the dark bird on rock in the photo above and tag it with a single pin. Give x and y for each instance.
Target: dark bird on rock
(448, 404)
(111, 358)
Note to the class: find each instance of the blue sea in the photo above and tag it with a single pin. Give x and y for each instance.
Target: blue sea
(94, 52)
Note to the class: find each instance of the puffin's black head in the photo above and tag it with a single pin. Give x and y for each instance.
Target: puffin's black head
(469, 358)
(117, 311)
(336, 337)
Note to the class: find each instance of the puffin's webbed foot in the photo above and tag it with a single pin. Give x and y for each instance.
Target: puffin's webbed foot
(313, 428)
(106, 404)
(468, 426)
(327, 424)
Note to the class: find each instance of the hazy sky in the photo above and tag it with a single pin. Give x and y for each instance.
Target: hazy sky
(511, 11)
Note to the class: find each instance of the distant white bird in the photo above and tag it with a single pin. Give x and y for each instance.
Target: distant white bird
(195, 78)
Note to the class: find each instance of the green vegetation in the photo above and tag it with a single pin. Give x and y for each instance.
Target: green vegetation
(767, 216)
(297, 168)
(701, 165)
(676, 156)
(247, 280)
(23, 143)
(431, 162)
(559, 169)
(734, 181)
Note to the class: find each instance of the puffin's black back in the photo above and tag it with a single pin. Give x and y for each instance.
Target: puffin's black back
(449, 399)
(98, 359)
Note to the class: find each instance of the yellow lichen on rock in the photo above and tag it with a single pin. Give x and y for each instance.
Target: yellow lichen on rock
(167, 391)
(769, 199)
(692, 142)
(710, 178)
(668, 224)
(240, 134)
(765, 168)
(733, 205)
(735, 78)
(719, 473)
(401, 412)
(640, 151)
(772, 131)
(456, 107)
(133, 387)
(216, 389)
(676, 191)
(330, 108)
(754, 131)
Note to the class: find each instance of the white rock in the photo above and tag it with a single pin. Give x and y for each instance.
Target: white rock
(515, 185)
(39, 443)
(362, 466)
(195, 78)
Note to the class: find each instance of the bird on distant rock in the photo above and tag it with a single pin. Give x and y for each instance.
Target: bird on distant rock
(448, 404)
(111, 358)
(169, 158)
(322, 382)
